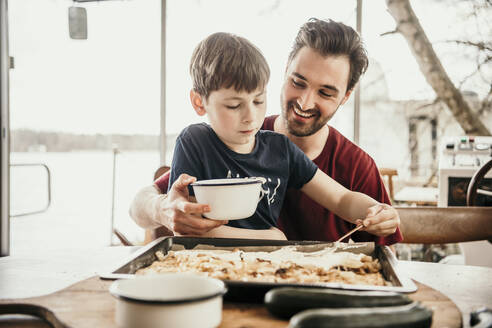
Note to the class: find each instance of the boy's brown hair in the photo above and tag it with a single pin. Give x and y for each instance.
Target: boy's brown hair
(330, 38)
(225, 60)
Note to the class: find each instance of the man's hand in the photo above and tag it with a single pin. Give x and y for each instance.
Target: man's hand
(180, 215)
(381, 220)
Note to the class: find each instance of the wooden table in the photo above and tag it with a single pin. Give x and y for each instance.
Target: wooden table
(36, 274)
(420, 196)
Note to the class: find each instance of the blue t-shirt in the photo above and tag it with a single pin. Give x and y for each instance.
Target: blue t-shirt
(200, 153)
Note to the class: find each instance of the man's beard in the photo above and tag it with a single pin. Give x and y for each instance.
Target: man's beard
(299, 129)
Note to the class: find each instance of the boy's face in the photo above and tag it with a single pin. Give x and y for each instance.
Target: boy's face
(314, 88)
(235, 116)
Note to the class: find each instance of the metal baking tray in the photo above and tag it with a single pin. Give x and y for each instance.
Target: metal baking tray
(241, 290)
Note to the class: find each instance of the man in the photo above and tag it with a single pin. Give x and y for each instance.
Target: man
(323, 68)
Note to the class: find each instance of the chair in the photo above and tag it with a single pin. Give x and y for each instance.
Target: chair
(160, 171)
(387, 175)
(124, 241)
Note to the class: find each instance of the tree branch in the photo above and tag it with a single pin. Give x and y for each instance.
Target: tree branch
(479, 45)
(479, 65)
(409, 26)
(486, 104)
(431, 104)
(389, 32)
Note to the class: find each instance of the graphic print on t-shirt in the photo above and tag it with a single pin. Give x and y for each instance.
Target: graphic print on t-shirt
(271, 198)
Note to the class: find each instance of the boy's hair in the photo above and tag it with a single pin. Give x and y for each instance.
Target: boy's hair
(225, 60)
(333, 38)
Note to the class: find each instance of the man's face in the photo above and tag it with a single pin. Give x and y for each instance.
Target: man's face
(314, 88)
(236, 117)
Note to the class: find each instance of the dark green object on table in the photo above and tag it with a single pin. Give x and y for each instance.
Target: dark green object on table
(326, 308)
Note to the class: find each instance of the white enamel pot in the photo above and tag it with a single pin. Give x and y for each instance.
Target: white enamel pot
(177, 300)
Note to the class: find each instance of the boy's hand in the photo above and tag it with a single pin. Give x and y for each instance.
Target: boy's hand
(182, 216)
(381, 220)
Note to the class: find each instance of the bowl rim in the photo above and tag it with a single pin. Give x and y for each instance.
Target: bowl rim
(225, 182)
(113, 289)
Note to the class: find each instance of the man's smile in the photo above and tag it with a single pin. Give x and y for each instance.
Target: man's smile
(300, 114)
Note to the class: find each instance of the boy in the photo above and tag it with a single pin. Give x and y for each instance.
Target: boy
(229, 77)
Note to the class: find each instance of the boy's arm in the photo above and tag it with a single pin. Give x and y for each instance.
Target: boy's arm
(378, 219)
(232, 232)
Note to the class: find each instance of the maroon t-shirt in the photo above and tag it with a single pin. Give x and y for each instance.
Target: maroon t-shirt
(301, 218)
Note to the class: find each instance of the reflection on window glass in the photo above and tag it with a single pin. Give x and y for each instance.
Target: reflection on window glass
(71, 102)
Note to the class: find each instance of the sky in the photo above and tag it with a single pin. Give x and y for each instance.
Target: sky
(110, 83)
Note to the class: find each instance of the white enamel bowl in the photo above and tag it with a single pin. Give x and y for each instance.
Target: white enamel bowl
(177, 300)
(229, 199)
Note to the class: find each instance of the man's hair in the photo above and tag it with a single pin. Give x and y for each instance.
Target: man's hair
(331, 38)
(225, 60)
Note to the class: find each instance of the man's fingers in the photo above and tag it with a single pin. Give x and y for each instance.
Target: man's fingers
(192, 208)
(197, 222)
(196, 225)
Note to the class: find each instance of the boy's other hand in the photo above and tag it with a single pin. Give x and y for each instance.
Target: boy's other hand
(181, 215)
(381, 220)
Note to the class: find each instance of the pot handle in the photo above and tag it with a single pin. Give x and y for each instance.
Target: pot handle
(34, 310)
(262, 192)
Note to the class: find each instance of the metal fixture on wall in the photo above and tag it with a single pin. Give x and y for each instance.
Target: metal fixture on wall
(162, 139)
(77, 23)
(357, 87)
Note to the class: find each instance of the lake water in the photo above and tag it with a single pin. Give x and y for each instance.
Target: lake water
(80, 211)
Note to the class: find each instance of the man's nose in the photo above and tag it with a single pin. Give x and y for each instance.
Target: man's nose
(306, 100)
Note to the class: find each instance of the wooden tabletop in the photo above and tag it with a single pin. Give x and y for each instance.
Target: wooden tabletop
(36, 274)
(421, 196)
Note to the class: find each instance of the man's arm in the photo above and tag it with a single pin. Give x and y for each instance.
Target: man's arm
(378, 219)
(143, 207)
(151, 209)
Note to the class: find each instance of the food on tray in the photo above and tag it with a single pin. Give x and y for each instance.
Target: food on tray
(285, 265)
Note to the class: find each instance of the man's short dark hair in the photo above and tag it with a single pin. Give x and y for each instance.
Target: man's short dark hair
(224, 60)
(331, 38)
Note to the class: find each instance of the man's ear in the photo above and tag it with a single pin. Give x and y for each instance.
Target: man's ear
(197, 103)
(346, 97)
